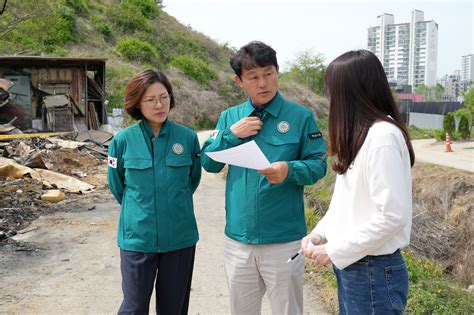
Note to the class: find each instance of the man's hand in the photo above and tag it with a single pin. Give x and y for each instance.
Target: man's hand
(246, 127)
(277, 173)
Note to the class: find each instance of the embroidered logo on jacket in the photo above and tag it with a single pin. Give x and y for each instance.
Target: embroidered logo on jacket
(112, 162)
(283, 126)
(178, 148)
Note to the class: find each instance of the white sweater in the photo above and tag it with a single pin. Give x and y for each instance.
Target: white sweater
(370, 210)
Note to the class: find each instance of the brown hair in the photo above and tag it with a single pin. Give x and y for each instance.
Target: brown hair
(359, 95)
(137, 87)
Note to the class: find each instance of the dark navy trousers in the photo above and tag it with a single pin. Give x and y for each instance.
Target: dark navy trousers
(173, 272)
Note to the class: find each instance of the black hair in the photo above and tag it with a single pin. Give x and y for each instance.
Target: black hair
(254, 54)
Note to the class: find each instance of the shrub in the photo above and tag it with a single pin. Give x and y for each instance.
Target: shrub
(149, 8)
(194, 68)
(127, 18)
(102, 26)
(440, 134)
(449, 124)
(419, 133)
(464, 129)
(135, 50)
(79, 6)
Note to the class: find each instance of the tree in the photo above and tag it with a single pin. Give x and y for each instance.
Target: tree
(430, 93)
(463, 128)
(469, 101)
(449, 123)
(308, 69)
(20, 12)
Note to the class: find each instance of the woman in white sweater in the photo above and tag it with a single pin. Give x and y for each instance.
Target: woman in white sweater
(369, 218)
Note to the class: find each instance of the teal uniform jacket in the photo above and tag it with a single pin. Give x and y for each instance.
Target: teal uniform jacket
(258, 212)
(154, 180)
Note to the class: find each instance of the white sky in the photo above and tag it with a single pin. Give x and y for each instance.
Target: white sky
(325, 26)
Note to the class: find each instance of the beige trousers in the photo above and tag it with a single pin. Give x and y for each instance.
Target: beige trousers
(253, 269)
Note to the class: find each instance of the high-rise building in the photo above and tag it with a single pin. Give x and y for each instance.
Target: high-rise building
(452, 86)
(408, 51)
(467, 68)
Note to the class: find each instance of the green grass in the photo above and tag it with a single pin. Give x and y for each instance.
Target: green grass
(419, 133)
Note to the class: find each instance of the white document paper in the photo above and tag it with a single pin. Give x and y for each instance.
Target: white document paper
(246, 155)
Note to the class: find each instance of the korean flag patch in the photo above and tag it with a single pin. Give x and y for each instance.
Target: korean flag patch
(112, 162)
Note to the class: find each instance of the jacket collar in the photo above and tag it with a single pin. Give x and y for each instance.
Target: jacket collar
(147, 130)
(273, 108)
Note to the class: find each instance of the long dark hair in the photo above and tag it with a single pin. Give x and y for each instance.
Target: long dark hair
(137, 87)
(359, 95)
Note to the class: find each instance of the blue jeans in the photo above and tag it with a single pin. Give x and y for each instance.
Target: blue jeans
(373, 285)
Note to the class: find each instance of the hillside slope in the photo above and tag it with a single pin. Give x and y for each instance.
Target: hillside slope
(135, 35)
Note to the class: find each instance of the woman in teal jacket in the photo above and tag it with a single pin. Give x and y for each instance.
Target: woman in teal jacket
(154, 169)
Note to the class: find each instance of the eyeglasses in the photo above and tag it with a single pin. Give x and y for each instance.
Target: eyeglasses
(163, 99)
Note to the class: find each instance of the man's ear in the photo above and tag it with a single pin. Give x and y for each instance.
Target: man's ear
(238, 80)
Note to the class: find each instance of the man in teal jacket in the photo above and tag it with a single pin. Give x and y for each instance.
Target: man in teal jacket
(265, 210)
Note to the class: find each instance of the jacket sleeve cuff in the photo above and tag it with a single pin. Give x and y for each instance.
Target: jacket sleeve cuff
(291, 172)
(230, 137)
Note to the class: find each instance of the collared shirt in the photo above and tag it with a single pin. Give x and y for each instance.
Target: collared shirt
(370, 210)
(154, 178)
(258, 212)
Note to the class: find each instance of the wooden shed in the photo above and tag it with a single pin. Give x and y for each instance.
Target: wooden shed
(82, 80)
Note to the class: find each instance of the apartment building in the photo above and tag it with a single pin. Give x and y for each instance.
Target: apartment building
(408, 51)
(467, 68)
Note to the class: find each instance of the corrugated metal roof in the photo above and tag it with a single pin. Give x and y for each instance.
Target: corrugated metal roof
(26, 61)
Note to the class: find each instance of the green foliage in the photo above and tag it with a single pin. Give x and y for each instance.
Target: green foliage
(469, 101)
(175, 43)
(117, 77)
(135, 50)
(431, 291)
(308, 69)
(148, 8)
(195, 68)
(127, 18)
(204, 123)
(440, 134)
(24, 28)
(80, 7)
(419, 133)
(318, 196)
(463, 128)
(102, 26)
(449, 123)
(432, 93)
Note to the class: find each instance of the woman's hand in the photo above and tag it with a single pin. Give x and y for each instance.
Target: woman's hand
(319, 255)
(315, 238)
(317, 252)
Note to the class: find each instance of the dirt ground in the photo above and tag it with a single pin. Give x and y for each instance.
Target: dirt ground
(69, 262)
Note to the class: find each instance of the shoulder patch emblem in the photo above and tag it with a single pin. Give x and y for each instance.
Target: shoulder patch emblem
(112, 162)
(315, 135)
(283, 126)
(178, 148)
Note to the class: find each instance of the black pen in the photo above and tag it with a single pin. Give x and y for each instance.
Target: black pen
(310, 245)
